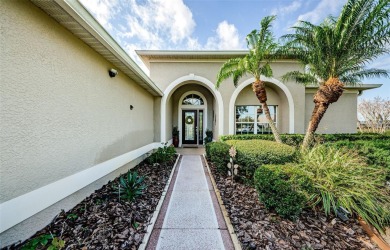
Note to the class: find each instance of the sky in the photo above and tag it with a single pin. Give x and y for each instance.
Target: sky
(211, 25)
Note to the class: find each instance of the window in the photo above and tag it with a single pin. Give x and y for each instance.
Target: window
(193, 99)
(252, 120)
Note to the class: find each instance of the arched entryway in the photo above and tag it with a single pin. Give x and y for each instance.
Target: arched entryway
(171, 109)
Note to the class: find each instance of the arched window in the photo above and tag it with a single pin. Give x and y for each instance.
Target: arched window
(192, 99)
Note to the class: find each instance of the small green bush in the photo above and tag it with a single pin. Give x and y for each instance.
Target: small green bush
(218, 153)
(209, 136)
(130, 187)
(162, 155)
(340, 177)
(282, 188)
(45, 241)
(254, 153)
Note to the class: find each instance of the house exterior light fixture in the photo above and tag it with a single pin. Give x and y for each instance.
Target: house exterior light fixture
(112, 72)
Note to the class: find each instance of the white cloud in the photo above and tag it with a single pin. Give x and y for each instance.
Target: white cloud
(103, 10)
(285, 10)
(227, 37)
(193, 44)
(323, 9)
(171, 20)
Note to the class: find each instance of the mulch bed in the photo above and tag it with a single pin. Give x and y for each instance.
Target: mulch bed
(102, 222)
(258, 228)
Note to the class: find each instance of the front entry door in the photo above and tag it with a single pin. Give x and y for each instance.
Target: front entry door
(190, 127)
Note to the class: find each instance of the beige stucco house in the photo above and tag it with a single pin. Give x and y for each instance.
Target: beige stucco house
(67, 126)
(184, 76)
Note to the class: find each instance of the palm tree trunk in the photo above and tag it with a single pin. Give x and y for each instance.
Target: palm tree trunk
(271, 122)
(318, 113)
(327, 94)
(259, 89)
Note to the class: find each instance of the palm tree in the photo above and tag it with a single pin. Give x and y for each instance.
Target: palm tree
(257, 62)
(336, 52)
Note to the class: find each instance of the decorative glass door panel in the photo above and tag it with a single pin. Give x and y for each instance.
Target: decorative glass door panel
(189, 123)
(200, 129)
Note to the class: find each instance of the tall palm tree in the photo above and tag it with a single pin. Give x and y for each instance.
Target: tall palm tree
(336, 52)
(257, 62)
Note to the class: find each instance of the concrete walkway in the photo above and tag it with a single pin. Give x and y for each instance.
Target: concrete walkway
(191, 217)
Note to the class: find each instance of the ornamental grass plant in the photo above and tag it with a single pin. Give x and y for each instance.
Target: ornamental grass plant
(341, 177)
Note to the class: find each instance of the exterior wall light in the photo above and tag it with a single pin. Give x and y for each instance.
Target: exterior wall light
(112, 72)
(131, 107)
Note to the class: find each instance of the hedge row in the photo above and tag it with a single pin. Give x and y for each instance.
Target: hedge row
(250, 155)
(218, 153)
(297, 139)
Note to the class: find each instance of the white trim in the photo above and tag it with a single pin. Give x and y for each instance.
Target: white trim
(267, 79)
(22, 207)
(197, 107)
(181, 81)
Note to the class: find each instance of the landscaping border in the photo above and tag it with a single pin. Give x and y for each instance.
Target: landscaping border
(153, 220)
(373, 236)
(229, 225)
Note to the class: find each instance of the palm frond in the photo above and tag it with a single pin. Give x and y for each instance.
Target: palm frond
(342, 47)
(262, 48)
(227, 70)
(354, 78)
(301, 78)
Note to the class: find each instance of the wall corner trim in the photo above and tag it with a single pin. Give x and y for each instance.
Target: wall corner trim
(22, 207)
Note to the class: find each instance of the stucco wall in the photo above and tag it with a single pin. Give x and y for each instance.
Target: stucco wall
(341, 117)
(60, 112)
(164, 73)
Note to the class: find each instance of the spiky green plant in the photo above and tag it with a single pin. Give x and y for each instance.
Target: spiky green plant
(262, 47)
(341, 178)
(336, 52)
(130, 187)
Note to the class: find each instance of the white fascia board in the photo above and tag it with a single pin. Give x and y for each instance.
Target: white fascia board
(355, 87)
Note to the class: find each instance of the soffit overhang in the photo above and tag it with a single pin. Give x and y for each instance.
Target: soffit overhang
(358, 87)
(148, 56)
(73, 16)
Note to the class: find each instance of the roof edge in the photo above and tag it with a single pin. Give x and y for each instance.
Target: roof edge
(359, 87)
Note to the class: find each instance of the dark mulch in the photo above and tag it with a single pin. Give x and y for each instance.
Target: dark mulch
(102, 222)
(258, 228)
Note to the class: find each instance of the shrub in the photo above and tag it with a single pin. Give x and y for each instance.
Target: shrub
(376, 152)
(218, 153)
(296, 139)
(162, 154)
(42, 241)
(282, 188)
(340, 177)
(209, 136)
(289, 139)
(131, 187)
(254, 153)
